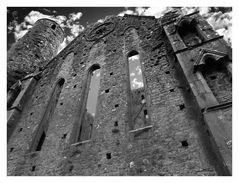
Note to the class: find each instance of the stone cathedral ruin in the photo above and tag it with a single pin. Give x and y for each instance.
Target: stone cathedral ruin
(178, 123)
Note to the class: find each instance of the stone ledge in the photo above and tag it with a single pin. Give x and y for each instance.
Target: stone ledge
(81, 143)
(198, 45)
(217, 107)
(140, 130)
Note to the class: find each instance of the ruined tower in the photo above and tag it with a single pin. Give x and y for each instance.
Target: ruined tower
(33, 50)
(178, 123)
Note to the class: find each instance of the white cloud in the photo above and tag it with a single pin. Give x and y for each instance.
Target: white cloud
(97, 74)
(133, 58)
(100, 20)
(222, 23)
(130, 12)
(138, 69)
(75, 16)
(132, 74)
(137, 84)
(19, 33)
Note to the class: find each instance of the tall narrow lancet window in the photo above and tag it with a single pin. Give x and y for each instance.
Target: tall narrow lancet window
(92, 91)
(136, 77)
(40, 136)
(138, 111)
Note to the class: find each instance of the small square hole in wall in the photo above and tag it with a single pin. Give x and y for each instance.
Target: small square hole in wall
(142, 97)
(116, 123)
(53, 26)
(71, 168)
(11, 149)
(64, 136)
(184, 143)
(171, 90)
(107, 91)
(181, 106)
(108, 155)
(115, 130)
(145, 112)
(33, 168)
(213, 77)
(116, 105)
(111, 73)
(167, 72)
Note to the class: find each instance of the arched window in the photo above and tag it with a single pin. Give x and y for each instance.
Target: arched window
(41, 132)
(218, 79)
(136, 77)
(189, 32)
(89, 103)
(137, 104)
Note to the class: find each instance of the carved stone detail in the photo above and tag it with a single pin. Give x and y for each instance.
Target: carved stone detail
(100, 31)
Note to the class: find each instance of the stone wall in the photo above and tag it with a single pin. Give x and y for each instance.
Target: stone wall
(174, 141)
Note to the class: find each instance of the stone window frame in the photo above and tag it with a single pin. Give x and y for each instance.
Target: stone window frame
(200, 65)
(192, 22)
(75, 135)
(46, 119)
(129, 97)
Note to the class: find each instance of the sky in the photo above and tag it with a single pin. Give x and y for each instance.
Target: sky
(74, 20)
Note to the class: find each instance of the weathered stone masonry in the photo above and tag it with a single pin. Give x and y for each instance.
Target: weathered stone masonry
(187, 130)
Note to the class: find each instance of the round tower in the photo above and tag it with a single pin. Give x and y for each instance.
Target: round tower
(39, 45)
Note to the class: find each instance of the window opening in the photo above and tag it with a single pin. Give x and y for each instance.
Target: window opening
(93, 82)
(135, 72)
(39, 138)
(41, 141)
(188, 31)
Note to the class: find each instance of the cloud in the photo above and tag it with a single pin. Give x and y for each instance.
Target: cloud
(75, 16)
(70, 24)
(222, 23)
(137, 84)
(132, 74)
(138, 69)
(97, 74)
(129, 12)
(100, 20)
(134, 58)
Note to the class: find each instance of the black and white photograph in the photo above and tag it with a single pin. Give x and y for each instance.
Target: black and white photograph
(118, 90)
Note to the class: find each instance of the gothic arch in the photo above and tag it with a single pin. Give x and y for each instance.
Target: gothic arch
(188, 30)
